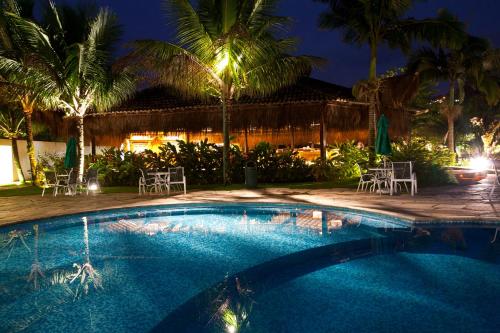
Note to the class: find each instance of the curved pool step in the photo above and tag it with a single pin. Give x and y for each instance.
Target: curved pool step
(199, 314)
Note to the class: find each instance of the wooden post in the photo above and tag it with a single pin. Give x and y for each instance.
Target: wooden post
(322, 134)
(93, 146)
(292, 136)
(246, 139)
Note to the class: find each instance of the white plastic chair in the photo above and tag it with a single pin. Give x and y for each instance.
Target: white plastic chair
(176, 178)
(147, 183)
(402, 172)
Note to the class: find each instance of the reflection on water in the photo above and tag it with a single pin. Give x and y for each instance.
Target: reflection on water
(36, 268)
(86, 275)
(14, 238)
(220, 260)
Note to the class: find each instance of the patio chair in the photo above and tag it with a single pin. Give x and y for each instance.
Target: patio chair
(365, 180)
(49, 181)
(402, 172)
(66, 182)
(496, 180)
(147, 183)
(176, 178)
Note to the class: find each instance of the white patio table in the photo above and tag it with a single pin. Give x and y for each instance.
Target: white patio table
(382, 176)
(161, 178)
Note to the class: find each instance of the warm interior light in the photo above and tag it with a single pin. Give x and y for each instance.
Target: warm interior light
(317, 214)
(479, 163)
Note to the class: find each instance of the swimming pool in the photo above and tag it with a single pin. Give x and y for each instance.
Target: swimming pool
(248, 268)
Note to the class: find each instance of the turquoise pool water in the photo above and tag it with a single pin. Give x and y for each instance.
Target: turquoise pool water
(247, 268)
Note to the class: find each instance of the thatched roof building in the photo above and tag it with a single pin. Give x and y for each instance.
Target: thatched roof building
(311, 111)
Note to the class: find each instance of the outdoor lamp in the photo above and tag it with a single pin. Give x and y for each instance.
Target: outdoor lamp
(479, 163)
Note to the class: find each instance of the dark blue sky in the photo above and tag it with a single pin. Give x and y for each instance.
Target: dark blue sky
(346, 63)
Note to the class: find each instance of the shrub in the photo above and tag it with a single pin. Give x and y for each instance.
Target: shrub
(277, 167)
(49, 162)
(429, 160)
(117, 167)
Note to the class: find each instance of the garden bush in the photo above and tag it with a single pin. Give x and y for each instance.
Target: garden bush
(274, 167)
(430, 161)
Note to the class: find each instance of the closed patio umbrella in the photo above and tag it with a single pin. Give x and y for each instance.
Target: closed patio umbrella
(383, 143)
(70, 159)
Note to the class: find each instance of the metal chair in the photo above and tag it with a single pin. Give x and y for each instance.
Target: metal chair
(49, 181)
(365, 180)
(176, 178)
(66, 182)
(147, 183)
(402, 172)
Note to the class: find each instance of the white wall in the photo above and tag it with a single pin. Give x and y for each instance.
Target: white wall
(7, 171)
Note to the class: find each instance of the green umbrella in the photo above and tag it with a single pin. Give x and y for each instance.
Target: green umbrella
(382, 143)
(70, 158)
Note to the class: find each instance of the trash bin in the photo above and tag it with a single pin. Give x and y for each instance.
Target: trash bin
(250, 175)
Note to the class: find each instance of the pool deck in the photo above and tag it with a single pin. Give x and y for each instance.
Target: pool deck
(450, 203)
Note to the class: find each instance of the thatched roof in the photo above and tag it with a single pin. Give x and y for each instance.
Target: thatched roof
(160, 109)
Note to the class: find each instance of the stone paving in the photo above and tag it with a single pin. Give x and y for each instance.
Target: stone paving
(450, 203)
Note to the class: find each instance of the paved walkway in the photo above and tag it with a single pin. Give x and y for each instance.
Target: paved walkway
(452, 203)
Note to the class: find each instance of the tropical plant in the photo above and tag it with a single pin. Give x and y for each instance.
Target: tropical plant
(79, 79)
(224, 49)
(277, 167)
(429, 160)
(458, 67)
(11, 121)
(18, 68)
(377, 22)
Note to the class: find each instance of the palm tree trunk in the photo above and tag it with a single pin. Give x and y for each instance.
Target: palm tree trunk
(81, 149)
(30, 147)
(226, 123)
(372, 109)
(17, 161)
(451, 133)
(451, 118)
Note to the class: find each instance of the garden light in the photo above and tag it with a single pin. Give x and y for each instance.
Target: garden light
(479, 163)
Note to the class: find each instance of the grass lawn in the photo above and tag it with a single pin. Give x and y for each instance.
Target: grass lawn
(28, 189)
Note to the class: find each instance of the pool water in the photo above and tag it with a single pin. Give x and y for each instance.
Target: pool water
(247, 268)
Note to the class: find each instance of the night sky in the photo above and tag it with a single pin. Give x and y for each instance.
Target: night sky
(346, 63)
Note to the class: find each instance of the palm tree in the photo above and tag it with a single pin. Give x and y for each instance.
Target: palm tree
(225, 49)
(456, 66)
(76, 78)
(16, 66)
(11, 121)
(377, 22)
(87, 81)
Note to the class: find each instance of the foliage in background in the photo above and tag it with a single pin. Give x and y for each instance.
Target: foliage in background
(274, 167)
(202, 162)
(429, 160)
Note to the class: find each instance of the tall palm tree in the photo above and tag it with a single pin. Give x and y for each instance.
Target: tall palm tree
(15, 64)
(377, 22)
(456, 66)
(224, 48)
(11, 121)
(76, 78)
(88, 82)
